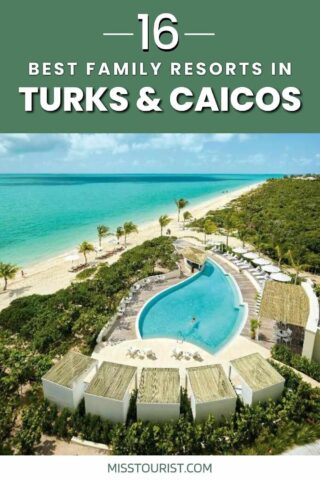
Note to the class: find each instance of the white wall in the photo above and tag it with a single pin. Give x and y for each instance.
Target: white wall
(218, 408)
(66, 397)
(250, 397)
(246, 394)
(107, 408)
(271, 393)
(316, 350)
(61, 396)
(310, 343)
(158, 412)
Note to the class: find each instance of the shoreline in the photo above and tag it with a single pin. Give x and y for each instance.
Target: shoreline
(52, 274)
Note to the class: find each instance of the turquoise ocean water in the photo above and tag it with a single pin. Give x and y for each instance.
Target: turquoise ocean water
(45, 215)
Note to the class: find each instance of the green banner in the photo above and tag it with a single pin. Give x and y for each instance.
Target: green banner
(169, 66)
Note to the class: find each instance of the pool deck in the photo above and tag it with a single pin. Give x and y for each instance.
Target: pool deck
(163, 358)
(249, 290)
(129, 333)
(121, 338)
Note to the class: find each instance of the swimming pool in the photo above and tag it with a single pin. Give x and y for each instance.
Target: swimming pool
(206, 309)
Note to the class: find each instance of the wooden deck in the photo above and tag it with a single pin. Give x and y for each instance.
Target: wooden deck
(249, 293)
(120, 333)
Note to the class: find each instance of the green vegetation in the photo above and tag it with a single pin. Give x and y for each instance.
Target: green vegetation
(164, 221)
(187, 216)
(119, 233)
(35, 329)
(283, 354)
(87, 273)
(279, 217)
(181, 204)
(254, 326)
(209, 228)
(103, 232)
(7, 272)
(75, 315)
(128, 228)
(85, 248)
(21, 369)
(268, 428)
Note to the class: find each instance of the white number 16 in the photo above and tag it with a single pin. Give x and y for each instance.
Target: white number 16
(158, 31)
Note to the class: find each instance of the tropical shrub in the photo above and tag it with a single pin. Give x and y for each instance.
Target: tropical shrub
(281, 215)
(283, 354)
(267, 428)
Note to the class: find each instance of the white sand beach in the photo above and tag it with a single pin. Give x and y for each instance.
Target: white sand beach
(53, 274)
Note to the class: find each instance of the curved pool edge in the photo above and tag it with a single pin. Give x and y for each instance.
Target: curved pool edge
(192, 277)
(155, 296)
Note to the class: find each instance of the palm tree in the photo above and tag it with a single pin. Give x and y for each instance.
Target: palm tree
(102, 232)
(129, 227)
(280, 254)
(7, 271)
(85, 248)
(119, 233)
(181, 204)
(209, 227)
(296, 265)
(243, 235)
(228, 226)
(186, 216)
(164, 220)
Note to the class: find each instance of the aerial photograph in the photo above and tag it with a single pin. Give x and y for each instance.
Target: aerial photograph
(159, 294)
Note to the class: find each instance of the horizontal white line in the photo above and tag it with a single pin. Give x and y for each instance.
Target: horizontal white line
(118, 34)
(199, 34)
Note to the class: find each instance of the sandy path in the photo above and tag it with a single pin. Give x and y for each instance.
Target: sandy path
(51, 275)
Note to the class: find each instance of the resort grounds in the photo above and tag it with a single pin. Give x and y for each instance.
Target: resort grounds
(120, 342)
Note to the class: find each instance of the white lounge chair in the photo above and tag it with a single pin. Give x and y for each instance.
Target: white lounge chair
(177, 353)
(132, 352)
(197, 356)
(149, 353)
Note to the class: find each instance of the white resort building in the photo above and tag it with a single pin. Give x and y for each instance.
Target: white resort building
(157, 348)
(211, 393)
(159, 394)
(109, 392)
(255, 379)
(65, 383)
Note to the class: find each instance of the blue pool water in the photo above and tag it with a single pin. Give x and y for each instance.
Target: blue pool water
(210, 296)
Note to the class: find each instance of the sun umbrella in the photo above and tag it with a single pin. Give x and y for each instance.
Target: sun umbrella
(280, 277)
(271, 268)
(113, 241)
(251, 255)
(261, 261)
(240, 250)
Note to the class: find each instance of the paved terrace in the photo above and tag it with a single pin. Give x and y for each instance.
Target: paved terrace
(247, 286)
(120, 333)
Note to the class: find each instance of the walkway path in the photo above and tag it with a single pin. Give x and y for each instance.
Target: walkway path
(249, 293)
(309, 449)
